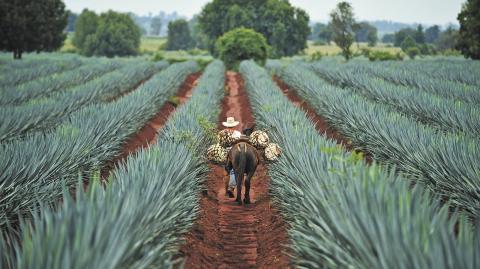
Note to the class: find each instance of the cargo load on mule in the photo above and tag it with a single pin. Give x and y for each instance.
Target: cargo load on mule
(241, 155)
(218, 152)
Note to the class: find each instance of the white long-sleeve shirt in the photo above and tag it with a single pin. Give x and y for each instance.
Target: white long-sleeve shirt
(236, 134)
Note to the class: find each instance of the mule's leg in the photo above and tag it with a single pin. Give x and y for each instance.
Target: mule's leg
(226, 181)
(247, 190)
(251, 171)
(239, 178)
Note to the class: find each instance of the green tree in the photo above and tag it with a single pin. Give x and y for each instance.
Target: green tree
(447, 40)
(365, 32)
(86, 25)
(412, 52)
(156, 25)
(469, 33)
(372, 37)
(179, 35)
(388, 38)
(116, 35)
(242, 44)
(427, 49)
(325, 34)
(432, 33)
(419, 36)
(402, 34)
(361, 31)
(72, 20)
(284, 27)
(409, 42)
(238, 17)
(342, 22)
(315, 31)
(27, 26)
(199, 39)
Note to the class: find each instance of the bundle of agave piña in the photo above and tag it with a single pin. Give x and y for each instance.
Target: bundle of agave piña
(217, 153)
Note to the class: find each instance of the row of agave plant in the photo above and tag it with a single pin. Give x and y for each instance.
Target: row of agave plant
(343, 213)
(45, 86)
(150, 201)
(14, 73)
(451, 69)
(9, 66)
(35, 169)
(442, 113)
(40, 115)
(415, 78)
(447, 163)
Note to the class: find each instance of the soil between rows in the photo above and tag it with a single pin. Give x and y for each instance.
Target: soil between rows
(227, 235)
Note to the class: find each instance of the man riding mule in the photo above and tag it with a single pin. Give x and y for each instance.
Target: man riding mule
(238, 160)
(241, 155)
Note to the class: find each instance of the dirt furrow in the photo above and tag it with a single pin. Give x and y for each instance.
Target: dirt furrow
(227, 235)
(147, 135)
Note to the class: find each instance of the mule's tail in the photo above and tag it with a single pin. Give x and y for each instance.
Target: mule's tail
(242, 160)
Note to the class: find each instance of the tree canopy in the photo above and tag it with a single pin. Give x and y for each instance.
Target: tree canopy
(447, 40)
(179, 37)
(284, 26)
(86, 24)
(200, 40)
(419, 36)
(72, 20)
(110, 34)
(27, 26)
(432, 33)
(241, 44)
(469, 33)
(325, 34)
(388, 38)
(342, 23)
(365, 32)
(402, 34)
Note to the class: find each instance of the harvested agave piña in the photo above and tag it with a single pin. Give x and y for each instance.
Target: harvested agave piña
(225, 138)
(272, 152)
(259, 139)
(216, 153)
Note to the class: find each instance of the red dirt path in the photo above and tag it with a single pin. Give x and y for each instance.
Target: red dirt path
(321, 125)
(148, 134)
(227, 235)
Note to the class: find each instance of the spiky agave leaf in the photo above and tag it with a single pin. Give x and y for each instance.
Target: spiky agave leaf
(149, 203)
(59, 64)
(442, 113)
(34, 165)
(446, 163)
(342, 213)
(48, 113)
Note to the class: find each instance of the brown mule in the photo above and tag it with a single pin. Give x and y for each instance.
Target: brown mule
(244, 159)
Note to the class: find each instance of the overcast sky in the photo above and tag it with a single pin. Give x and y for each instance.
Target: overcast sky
(409, 11)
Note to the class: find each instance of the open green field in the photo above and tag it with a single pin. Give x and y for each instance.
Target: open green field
(332, 49)
(147, 44)
(151, 45)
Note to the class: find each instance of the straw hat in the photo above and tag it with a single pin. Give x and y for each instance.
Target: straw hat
(230, 122)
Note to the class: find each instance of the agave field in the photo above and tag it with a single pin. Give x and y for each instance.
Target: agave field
(415, 204)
